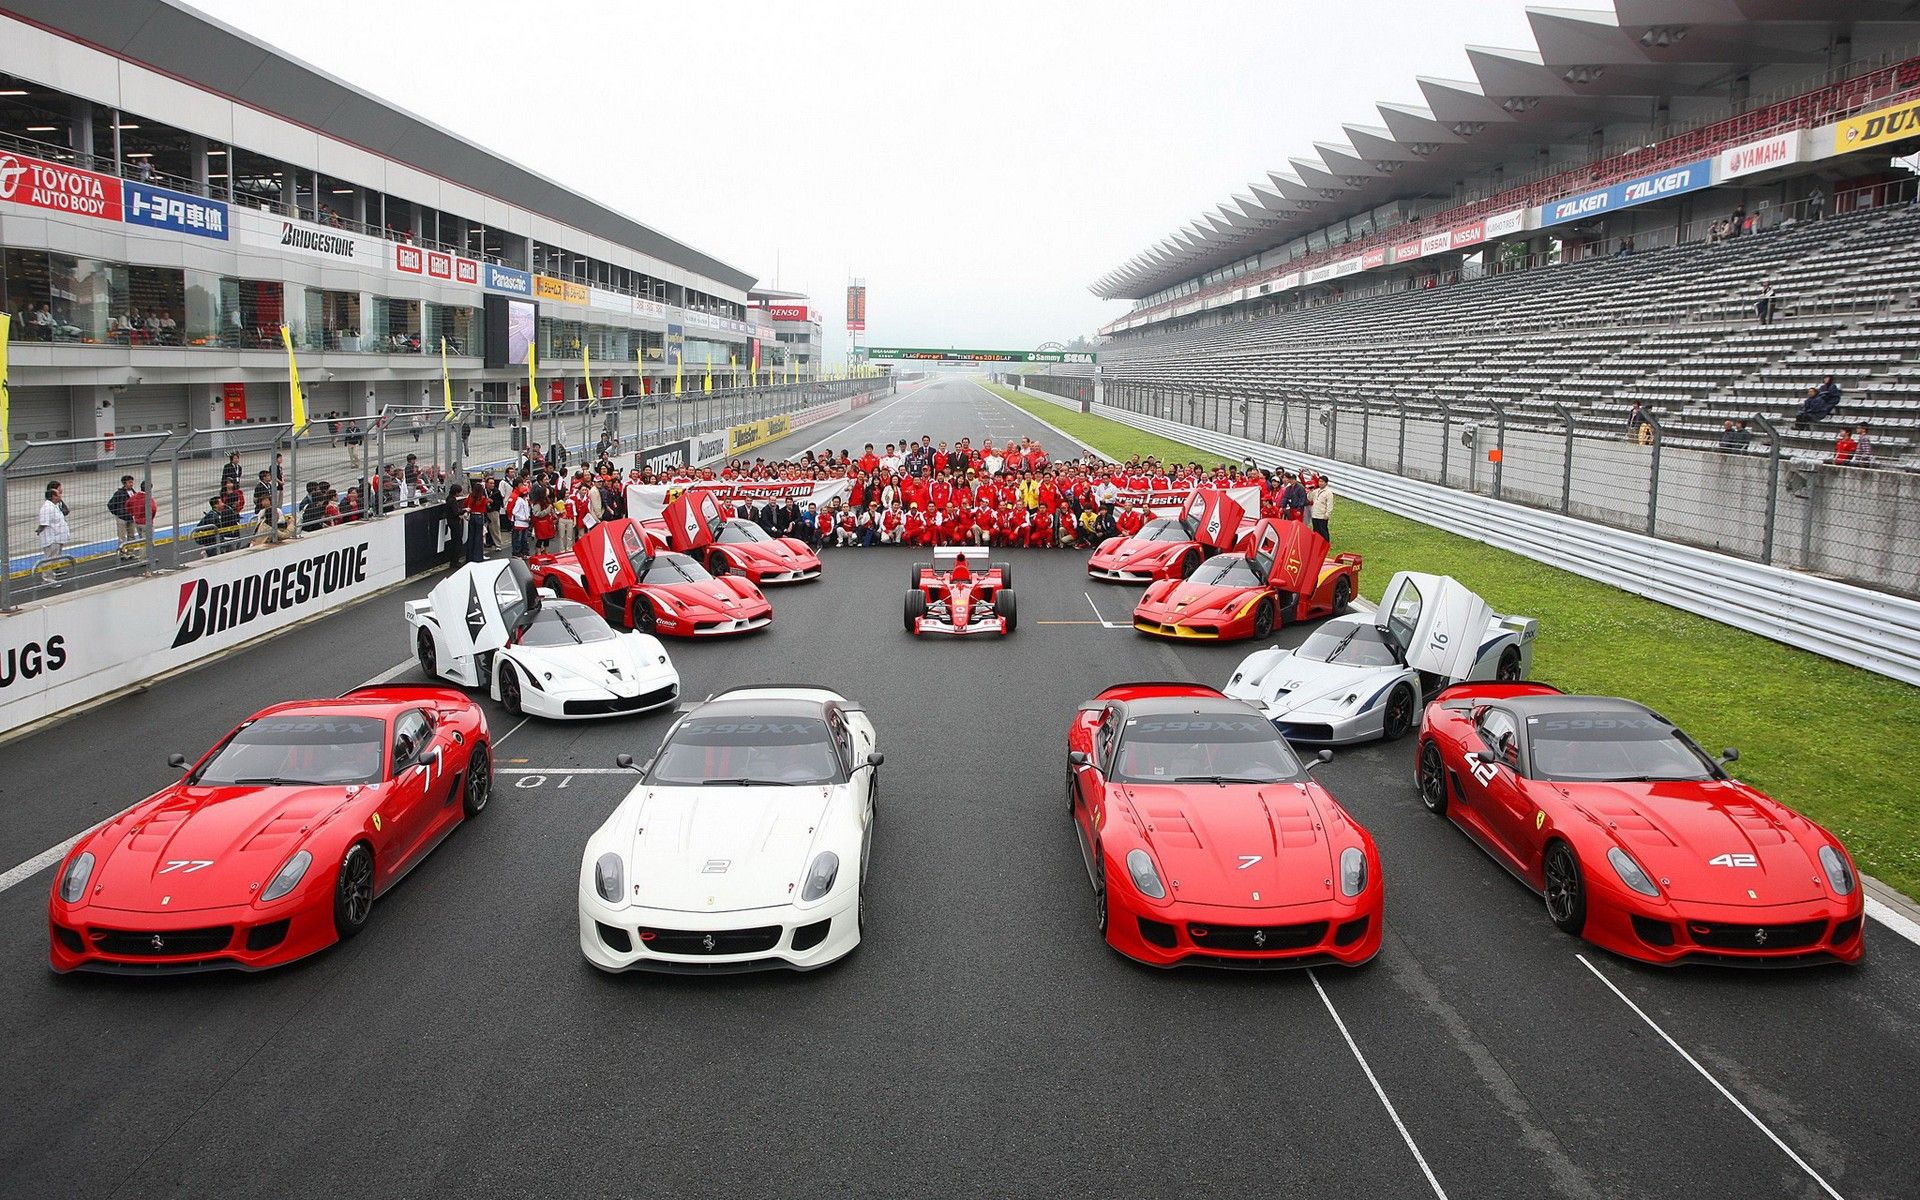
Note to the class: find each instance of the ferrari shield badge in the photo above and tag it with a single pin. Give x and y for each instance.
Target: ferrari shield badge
(1539, 819)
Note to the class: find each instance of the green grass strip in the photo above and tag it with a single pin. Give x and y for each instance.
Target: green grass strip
(1832, 741)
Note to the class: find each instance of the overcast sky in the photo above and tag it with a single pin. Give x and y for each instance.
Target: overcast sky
(978, 164)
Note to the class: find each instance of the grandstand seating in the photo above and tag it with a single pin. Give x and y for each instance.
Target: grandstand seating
(1673, 328)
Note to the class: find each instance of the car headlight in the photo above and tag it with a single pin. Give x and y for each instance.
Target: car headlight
(662, 604)
(1839, 874)
(820, 876)
(609, 877)
(288, 877)
(73, 885)
(1140, 866)
(1353, 871)
(1630, 872)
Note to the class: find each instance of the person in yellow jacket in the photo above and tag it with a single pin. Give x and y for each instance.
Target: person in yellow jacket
(1029, 492)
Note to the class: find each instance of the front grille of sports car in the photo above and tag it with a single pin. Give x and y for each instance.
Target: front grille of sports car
(620, 704)
(1652, 932)
(1166, 630)
(615, 939)
(266, 937)
(1257, 939)
(808, 936)
(1351, 931)
(1304, 732)
(70, 939)
(1755, 937)
(1158, 933)
(1261, 964)
(166, 943)
(701, 943)
(1846, 931)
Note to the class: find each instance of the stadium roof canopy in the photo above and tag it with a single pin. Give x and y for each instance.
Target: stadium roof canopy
(189, 45)
(1587, 69)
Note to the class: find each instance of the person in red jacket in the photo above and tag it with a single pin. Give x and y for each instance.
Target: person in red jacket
(1066, 530)
(824, 525)
(1013, 525)
(892, 524)
(939, 494)
(847, 529)
(986, 526)
(1130, 521)
(869, 461)
(914, 530)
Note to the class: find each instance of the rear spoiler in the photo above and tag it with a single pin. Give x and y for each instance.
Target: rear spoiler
(408, 691)
(1133, 691)
(1487, 690)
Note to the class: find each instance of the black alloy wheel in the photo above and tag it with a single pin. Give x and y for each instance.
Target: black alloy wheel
(1433, 780)
(1565, 892)
(1099, 893)
(1263, 617)
(510, 689)
(644, 619)
(479, 781)
(1189, 563)
(718, 564)
(1509, 668)
(353, 891)
(429, 661)
(1342, 594)
(1398, 717)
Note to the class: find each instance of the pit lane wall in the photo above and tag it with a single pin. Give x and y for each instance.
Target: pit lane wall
(1874, 630)
(77, 649)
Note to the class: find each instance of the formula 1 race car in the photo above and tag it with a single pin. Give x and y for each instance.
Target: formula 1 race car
(1363, 676)
(957, 601)
(1171, 547)
(488, 625)
(745, 843)
(1636, 838)
(1206, 840)
(668, 593)
(735, 546)
(1280, 576)
(276, 843)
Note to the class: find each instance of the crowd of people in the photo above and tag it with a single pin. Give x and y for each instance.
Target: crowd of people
(899, 494)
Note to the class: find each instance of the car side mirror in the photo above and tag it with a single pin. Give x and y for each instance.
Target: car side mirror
(1080, 758)
(1325, 756)
(1729, 755)
(1484, 755)
(625, 762)
(876, 758)
(177, 761)
(430, 759)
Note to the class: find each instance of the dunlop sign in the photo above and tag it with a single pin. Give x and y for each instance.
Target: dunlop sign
(1877, 128)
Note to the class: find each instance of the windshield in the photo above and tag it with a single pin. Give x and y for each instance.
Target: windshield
(742, 750)
(299, 749)
(673, 568)
(1190, 747)
(562, 624)
(1588, 747)
(1227, 570)
(1349, 645)
(737, 533)
(1163, 529)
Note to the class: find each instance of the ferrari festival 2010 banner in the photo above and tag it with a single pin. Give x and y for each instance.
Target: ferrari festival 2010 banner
(648, 500)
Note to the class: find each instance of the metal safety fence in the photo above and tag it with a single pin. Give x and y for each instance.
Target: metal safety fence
(1741, 494)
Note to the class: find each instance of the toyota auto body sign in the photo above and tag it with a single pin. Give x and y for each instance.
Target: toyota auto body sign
(61, 188)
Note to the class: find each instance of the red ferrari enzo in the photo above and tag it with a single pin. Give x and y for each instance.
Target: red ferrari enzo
(1206, 840)
(1638, 840)
(741, 547)
(667, 594)
(1281, 576)
(276, 843)
(1171, 547)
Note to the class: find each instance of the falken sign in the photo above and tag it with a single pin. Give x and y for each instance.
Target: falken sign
(1659, 186)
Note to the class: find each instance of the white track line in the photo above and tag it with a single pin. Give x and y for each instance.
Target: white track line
(993, 395)
(1718, 1086)
(563, 770)
(1894, 920)
(881, 411)
(1377, 1089)
(1103, 620)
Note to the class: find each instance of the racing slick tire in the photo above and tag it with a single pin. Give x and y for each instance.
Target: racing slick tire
(353, 891)
(1565, 891)
(510, 690)
(1342, 594)
(1006, 573)
(1398, 717)
(1433, 780)
(1509, 669)
(1008, 606)
(916, 608)
(1263, 613)
(423, 649)
(913, 581)
(478, 785)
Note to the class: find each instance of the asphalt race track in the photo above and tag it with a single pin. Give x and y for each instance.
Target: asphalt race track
(982, 1041)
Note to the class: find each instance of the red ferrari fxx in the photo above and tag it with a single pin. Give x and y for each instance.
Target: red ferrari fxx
(1280, 576)
(1208, 842)
(278, 841)
(958, 601)
(1171, 547)
(669, 594)
(734, 546)
(1638, 840)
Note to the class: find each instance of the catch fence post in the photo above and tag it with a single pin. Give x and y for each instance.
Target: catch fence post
(6, 543)
(146, 485)
(173, 543)
(1773, 486)
(1400, 462)
(1566, 460)
(1446, 436)
(1499, 445)
(1366, 421)
(1653, 470)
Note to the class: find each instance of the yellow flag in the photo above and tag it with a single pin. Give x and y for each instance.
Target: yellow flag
(6, 393)
(293, 385)
(706, 382)
(678, 366)
(533, 389)
(733, 371)
(640, 361)
(446, 380)
(586, 368)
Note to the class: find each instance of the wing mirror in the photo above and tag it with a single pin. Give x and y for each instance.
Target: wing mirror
(1079, 758)
(430, 759)
(625, 762)
(876, 758)
(1729, 755)
(1485, 756)
(177, 761)
(1320, 759)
